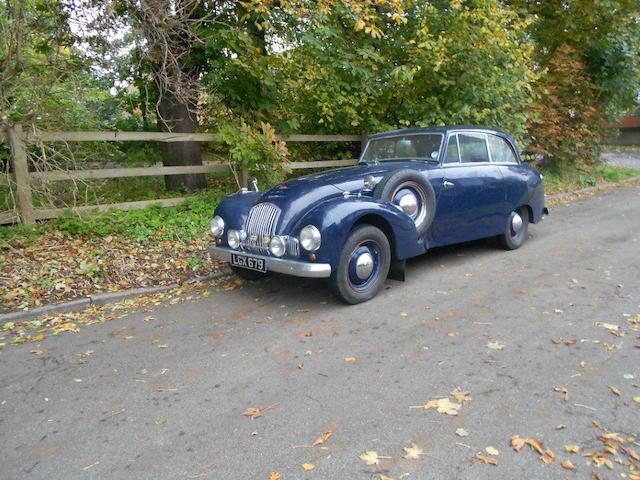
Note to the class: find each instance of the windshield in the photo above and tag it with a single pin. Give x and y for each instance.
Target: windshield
(424, 146)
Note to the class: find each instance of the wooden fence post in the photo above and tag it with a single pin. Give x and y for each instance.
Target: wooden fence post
(21, 175)
(244, 178)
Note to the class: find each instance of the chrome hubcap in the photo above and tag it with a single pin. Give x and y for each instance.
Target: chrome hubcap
(364, 266)
(409, 204)
(516, 222)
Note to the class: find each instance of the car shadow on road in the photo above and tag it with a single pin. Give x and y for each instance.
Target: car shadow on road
(307, 291)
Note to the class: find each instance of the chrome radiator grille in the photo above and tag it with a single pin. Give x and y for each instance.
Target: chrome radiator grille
(261, 224)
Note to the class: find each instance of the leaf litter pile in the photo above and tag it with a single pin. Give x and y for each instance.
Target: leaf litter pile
(36, 330)
(57, 268)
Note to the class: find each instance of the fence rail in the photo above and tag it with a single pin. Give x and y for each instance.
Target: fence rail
(18, 140)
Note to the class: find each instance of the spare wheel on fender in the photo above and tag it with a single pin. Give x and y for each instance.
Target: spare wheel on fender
(413, 193)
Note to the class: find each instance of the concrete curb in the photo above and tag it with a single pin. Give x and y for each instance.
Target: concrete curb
(100, 299)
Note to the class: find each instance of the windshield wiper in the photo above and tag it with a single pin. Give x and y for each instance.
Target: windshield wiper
(422, 159)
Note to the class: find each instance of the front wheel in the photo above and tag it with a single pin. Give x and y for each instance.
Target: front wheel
(516, 231)
(364, 265)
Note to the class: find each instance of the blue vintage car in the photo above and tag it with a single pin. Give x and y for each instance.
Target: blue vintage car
(412, 190)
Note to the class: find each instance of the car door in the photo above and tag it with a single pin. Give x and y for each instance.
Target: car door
(472, 197)
(519, 179)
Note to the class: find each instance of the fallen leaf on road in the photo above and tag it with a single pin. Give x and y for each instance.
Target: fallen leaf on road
(614, 390)
(461, 432)
(255, 412)
(160, 421)
(349, 359)
(548, 456)
(572, 448)
(275, 476)
(564, 391)
(322, 438)
(413, 452)
(148, 318)
(307, 467)
(612, 436)
(565, 341)
(495, 346)
(518, 443)
(636, 399)
(308, 334)
(613, 329)
(484, 459)
(38, 337)
(492, 451)
(37, 351)
(460, 396)
(404, 314)
(567, 465)
(371, 458)
(443, 405)
(384, 477)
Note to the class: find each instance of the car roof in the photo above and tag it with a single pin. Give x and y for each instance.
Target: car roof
(442, 130)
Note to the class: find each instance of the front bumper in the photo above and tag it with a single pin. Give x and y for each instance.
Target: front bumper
(281, 265)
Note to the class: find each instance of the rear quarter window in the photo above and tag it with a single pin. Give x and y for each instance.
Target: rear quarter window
(501, 151)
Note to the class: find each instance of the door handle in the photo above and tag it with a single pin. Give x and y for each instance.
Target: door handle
(447, 184)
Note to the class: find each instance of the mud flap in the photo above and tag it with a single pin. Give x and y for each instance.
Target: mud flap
(397, 270)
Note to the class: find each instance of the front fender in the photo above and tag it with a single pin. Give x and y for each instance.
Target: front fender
(336, 218)
(235, 208)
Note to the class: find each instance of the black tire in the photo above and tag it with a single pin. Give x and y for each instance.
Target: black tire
(396, 182)
(250, 275)
(344, 282)
(512, 238)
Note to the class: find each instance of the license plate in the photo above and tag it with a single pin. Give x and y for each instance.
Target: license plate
(248, 262)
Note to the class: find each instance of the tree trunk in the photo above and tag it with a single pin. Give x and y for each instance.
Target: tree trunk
(177, 117)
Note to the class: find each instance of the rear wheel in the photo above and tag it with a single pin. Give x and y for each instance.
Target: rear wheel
(250, 275)
(364, 265)
(516, 231)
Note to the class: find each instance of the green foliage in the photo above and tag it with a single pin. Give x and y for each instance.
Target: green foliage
(257, 151)
(566, 124)
(441, 63)
(186, 221)
(590, 53)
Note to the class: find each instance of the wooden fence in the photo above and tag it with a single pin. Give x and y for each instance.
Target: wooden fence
(18, 140)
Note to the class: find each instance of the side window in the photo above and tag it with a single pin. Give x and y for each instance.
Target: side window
(452, 151)
(501, 151)
(473, 148)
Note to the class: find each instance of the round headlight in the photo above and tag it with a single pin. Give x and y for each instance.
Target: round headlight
(310, 238)
(233, 239)
(277, 246)
(217, 226)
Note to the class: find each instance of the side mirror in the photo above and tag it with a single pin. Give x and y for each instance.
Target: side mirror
(434, 155)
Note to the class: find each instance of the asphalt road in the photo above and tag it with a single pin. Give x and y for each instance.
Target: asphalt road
(623, 158)
(131, 409)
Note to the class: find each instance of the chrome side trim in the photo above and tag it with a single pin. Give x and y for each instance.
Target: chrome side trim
(281, 265)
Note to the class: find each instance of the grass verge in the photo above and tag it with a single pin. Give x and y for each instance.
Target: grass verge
(565, 181)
